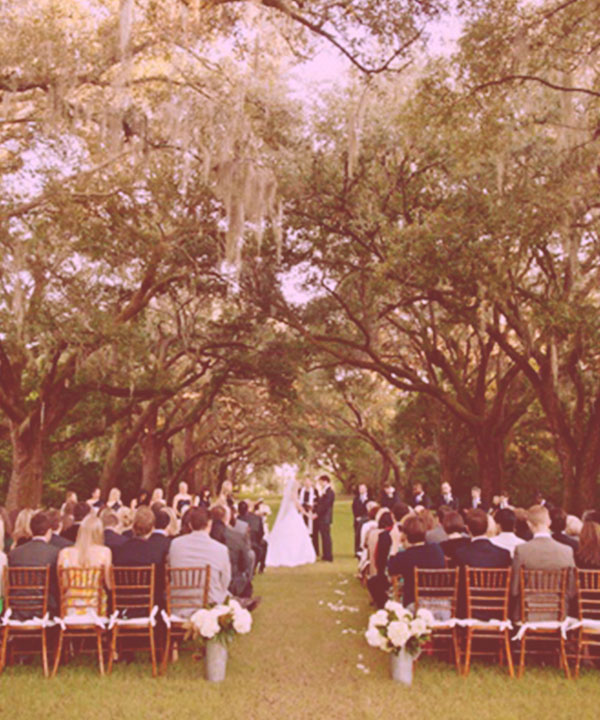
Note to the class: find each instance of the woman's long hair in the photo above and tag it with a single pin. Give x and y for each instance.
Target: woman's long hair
(90, 533)
(22, 527)
(589, 544)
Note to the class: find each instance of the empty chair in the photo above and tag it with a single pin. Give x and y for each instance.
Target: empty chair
(588, 610)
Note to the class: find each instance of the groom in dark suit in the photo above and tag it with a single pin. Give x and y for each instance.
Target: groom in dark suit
(325, 515)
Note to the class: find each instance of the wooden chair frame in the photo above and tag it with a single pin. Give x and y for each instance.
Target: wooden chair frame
(434, 587)
(177, 581)
(132, 592)
(588, 608)
(543, 597)
(26, 591)
(487, 594)
(69, 581)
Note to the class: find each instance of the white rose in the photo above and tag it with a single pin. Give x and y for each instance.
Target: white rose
(426, 615)
(396, 607)
(242, 621)
(375, 638)
(418, 627)
(378, 619)
(398, 633)
(210, 623)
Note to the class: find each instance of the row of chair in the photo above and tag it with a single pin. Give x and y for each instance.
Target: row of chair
(485, 615)
(112, 618)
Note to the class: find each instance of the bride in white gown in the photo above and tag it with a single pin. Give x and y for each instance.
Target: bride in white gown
(289, 540)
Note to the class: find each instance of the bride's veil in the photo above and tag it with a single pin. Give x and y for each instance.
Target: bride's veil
(287, 501)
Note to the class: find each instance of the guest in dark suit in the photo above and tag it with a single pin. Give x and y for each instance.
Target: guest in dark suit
(159, 536)
(110, 521)
(446, 497)
(456, 530)
(55, 520)
(417, 554)
(137, 551)
(480, 552)
(378, 584)
(389, 496)
(360, 513)
(420, 497)
(325, 516)
(240, 559)
(257, 533)
(38, 552)
(558, 524)
(79, 512)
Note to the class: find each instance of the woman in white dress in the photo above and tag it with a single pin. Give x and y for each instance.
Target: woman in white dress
(289, 540)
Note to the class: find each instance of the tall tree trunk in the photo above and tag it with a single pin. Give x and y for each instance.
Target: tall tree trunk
(26, 481)
(490, 459)
(152, 446)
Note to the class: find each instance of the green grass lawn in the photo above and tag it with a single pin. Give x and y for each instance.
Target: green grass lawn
(299, 663)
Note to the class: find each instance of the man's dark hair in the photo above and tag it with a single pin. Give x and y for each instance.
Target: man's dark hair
(414, 529)
(161, 520)
(441, 511)
(452, 522)
(324, 478)
(54, 518)
(39, 524)
(477, 522)
(198, 518)
(80, 511)
(399, 510)
(218, 513)
(143, 521)
(242, 508)
(385, 520)
(558, 520)
(507, 519)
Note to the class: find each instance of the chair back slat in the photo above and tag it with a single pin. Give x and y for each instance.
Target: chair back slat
(588, 594)
(26, 591)
(184, 587)
(543, 595)
(487, 592)
(133, 590)
(437, 590)
(81, 590)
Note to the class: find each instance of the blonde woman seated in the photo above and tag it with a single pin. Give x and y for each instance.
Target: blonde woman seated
(88, 552)
(22, 529)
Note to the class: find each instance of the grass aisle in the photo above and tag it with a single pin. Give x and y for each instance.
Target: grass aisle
(300, 661)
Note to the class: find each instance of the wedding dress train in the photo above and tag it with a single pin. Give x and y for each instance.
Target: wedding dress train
(290, 543)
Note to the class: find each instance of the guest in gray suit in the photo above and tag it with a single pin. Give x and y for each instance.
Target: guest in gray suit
(198, 549)
(542, 552)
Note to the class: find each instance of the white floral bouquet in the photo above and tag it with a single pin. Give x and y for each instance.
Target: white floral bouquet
(395, 628)
(220, 622)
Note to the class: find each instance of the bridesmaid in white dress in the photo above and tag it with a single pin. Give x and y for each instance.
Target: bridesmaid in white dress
(289, 540)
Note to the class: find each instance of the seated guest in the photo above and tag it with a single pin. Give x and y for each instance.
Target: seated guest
(522, 528)
(22, 529)
(126, 516)
(197, 549)
(173, 526)
(541, 552)
(79, 512)
(558, 525)
(89, 551)
(160, 535)
(400, 511)
(378, 583)
(506, 538)
(112, 536)
(587, 555)
(456, 532)
(573, 527)
(417, 554)
(239, 556)
(437, 534)
(389, 496)
(38, 552)
(446, 497)
(480, 551)
(257, 533)
(420, 497)
(56, 523)
(114, 500)
(477, 502)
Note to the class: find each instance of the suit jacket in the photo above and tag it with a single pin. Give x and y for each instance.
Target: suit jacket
(37, 553)
(197, 549)
(240, 560)
(425, 501)
(566, 540)
(257, 530)
(325, 507)
(359, 508)
(243, 529)
(482, 553)
(138, 551)
(541, 553)
(405, 562)
(389, 501)
(59, 541)
(454, 504)
(482, 505)
(113, 539)
(162, 542)
(71, 532)
(437, 535)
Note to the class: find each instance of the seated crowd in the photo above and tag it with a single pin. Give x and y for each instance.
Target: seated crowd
(193, 532)
(394, 538)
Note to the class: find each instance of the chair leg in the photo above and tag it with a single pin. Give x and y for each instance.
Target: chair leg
(468, 652)
(509, 660)
(456, 646)
(167, 649)
(3, 650)
(45, 653)
(58, 652)
(579, 651)
(100, 651)
(112, 649)
(522, 657)
(563, 657)
(152, 651)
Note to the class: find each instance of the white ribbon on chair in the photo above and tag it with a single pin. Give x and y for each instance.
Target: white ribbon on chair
(35, 622)
(564, 626)
(473, 622)
(139, 621)
(168, 619)
(586, 624)
(88, 618)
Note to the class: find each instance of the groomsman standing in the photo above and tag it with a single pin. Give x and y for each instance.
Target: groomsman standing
(447, 498)
(359, 510)
(325, 515)
(308, 499)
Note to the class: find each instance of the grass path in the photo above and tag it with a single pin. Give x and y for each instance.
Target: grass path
(300, 661)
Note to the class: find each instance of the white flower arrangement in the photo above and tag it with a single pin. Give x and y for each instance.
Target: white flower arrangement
(220, 622)
(395, 628)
